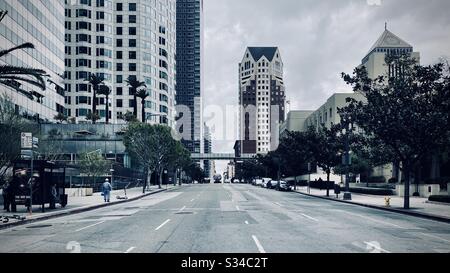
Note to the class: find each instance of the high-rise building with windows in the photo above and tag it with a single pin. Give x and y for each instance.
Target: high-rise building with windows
(118, 39)
(388, 43)
(262, 99)
(207, 150)
(41, 23)
(189, 72)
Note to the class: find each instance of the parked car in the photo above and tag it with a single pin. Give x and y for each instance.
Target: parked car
(236, 181)
(265, 182)
(283, 186)
(272, 184)
(227, 181)
(258, 182)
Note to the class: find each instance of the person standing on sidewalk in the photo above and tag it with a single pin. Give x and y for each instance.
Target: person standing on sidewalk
(107, 188)
(6, 196)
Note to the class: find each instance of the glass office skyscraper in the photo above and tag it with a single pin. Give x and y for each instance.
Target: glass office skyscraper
(189, 70)
(40, 22)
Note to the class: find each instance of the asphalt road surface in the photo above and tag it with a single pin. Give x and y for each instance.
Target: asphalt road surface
(230, 219)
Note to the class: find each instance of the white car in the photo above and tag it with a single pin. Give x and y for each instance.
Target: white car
(258, 182)
(265, 181)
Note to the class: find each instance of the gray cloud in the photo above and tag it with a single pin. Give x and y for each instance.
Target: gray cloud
(318, 40)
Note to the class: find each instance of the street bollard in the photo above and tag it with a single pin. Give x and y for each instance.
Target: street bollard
(387, 201)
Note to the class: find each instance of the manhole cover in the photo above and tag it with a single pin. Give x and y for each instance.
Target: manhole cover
(185, 212)
(39, 226)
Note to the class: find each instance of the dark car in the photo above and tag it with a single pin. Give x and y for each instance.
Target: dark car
(283, 186)
(272, 184)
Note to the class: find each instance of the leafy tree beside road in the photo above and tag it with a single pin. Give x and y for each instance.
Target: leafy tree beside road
(154, 148)
(408, 112)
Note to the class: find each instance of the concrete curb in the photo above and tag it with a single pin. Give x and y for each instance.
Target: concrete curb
(79, 210)
(401, 211)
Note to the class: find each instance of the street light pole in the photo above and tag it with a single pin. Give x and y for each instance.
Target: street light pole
(347, 194)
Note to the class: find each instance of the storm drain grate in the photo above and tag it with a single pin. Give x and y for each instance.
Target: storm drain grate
(39, 226)
(185, 212)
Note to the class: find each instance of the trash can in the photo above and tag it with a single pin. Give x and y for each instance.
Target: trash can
(337, 190)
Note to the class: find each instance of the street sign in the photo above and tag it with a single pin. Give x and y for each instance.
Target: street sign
(26, 141)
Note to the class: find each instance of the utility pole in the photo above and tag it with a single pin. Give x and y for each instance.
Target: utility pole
(347, 161)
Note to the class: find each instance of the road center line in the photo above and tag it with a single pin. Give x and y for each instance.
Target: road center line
(130, 249)
(93, 225)
(163, 224)
(309, 217)
(436, 237)
(258, 244)
(376, 247)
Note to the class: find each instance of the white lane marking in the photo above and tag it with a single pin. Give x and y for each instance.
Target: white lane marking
(183, 208)
(93, 225)
(192, 200)
(130, 249)
(372, 219)
(237, 207)
(258, 244)
(277, 203)
(246, 222)
(309, 217)
(436, 237)
(375, 247)
(163, 224)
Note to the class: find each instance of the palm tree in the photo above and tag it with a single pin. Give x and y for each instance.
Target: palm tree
(105, 91)
(95, 81)
(14, 77)
(135, 86)
(142, 94)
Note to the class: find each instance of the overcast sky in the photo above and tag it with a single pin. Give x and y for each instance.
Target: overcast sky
(318, 40)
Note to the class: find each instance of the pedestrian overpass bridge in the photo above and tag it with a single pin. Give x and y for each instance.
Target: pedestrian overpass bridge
(215, 156)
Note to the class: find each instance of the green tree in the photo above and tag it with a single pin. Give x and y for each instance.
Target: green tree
(135, 86)
(181, 159)
(11, 125)
(326, 146)
(142, 94)
(60, 117)
(408, 112)
(105, 91)
(249, 169)
(94, 165)
(296, 152)
(152, 146)
(195, 172)
(96, 81)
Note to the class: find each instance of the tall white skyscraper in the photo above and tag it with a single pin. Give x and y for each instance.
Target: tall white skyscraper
(262, 99)
(118, 39)
(42, 24)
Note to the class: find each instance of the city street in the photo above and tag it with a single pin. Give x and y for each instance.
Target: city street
(229, 218)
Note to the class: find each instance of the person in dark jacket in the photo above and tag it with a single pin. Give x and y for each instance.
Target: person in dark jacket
(6, 196)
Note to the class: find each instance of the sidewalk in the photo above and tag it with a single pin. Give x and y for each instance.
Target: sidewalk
(419, 206)
(75, 205)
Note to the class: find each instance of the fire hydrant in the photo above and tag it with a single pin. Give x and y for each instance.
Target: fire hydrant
(387, 201)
